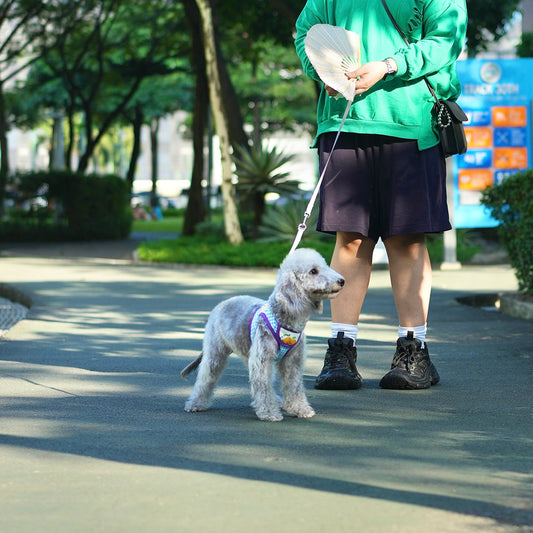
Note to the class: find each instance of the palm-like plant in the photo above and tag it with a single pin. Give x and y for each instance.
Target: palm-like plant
(258, 171)
(281, 222)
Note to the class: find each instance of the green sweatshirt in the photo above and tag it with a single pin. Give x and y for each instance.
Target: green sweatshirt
(400, 105)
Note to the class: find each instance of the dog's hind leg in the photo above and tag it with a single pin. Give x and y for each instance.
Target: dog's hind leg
(209, 371)
(294, 398)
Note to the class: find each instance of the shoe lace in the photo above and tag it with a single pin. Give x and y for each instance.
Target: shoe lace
(351, 361)
(401, 356)
(338, 354)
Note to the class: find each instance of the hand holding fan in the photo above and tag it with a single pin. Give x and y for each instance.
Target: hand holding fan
(334, 52)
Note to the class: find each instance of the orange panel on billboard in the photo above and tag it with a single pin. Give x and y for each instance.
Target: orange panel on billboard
(510, 158)
(478, 137)
(475, 178)
(509, 116)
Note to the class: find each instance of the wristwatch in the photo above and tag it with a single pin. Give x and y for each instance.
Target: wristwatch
(390, 69)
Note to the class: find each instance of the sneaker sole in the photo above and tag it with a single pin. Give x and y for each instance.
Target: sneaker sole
(337, 384)
(398, 382)
(433, 374)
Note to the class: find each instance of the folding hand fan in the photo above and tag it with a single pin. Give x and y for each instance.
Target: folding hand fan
(334, 51)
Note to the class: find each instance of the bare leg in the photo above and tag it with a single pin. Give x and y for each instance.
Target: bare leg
(410, 272)
(352, 259)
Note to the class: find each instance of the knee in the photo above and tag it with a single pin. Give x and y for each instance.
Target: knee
(354, 244)
(404, 242)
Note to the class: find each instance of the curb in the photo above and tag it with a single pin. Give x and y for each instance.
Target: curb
(14, 307)
(517, 306)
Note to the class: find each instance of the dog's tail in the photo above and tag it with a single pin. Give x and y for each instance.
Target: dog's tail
(191, 367)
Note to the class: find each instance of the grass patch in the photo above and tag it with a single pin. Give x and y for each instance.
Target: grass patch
(171, 224)
(212, 250)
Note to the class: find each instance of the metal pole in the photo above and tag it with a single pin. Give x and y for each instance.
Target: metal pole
(450, 237)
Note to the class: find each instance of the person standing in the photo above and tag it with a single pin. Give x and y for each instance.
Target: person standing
(387, 175)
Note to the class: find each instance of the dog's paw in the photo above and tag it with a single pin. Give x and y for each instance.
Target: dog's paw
(269, 416)
(308, 412)
(301, 411)
(195, 407)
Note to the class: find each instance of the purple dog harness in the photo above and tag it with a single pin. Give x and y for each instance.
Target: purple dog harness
(286, 338)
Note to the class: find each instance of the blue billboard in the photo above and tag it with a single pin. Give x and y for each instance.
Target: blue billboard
(496, 97)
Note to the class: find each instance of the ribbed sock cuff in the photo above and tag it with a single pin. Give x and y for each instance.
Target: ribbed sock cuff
(419, 332)
(350, 330)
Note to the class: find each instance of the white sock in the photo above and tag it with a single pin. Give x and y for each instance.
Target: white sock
(350, 330)
(419, 332)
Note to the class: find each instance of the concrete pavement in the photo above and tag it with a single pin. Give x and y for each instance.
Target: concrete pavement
(93, 436)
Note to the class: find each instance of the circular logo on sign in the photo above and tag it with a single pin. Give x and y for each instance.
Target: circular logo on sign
(490, 73)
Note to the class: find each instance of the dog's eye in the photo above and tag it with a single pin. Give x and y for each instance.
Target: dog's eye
(313, 271)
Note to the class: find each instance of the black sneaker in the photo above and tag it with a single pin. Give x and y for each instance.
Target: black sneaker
(339, 371)
(411, 366)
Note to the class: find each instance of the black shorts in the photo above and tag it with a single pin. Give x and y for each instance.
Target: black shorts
(381, 186)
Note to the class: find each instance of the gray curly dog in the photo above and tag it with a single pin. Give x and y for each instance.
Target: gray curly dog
(268, 335)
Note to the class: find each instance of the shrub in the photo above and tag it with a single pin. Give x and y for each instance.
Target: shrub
(96, 207)
(84, 207)
(281, 221)
(259, 171)
(511, 204)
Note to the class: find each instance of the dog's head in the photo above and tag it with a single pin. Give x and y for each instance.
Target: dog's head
(305, 278)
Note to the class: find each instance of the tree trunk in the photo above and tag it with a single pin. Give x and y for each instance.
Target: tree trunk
(231, 219)
(71, 138)
(230, 102)
(196, 210)
(57, 153)
(256, 135)
(136, 149)
(4, 154)
(154, 151)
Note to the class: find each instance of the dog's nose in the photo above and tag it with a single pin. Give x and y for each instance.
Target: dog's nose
(341, 282)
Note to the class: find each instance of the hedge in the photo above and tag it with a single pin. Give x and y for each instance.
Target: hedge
(82, 207)
(511, 204)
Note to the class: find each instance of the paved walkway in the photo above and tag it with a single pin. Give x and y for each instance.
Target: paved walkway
(93, 436)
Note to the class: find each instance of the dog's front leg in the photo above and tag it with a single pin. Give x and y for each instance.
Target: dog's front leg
(291, 370)
(261, 370)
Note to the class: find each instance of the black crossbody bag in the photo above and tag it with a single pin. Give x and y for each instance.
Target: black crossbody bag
(449, 117)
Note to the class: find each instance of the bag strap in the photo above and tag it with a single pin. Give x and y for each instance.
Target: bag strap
(402, 35)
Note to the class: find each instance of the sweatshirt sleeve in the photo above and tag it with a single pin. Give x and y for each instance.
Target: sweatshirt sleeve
(442, 43)
(308, 18)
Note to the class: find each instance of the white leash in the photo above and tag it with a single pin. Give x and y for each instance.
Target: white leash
(303, 226)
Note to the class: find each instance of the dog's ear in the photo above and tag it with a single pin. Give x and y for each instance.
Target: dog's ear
(287, 294)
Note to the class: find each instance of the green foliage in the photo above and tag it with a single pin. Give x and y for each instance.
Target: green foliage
(96, 207)
(493, 16)
(466, 248)
(525, 48)
(275, 95)
(86, 207)
(211, 251)
(281, 221)
(169, 224)
(511, 204)
(28, 229)
(259, 171)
